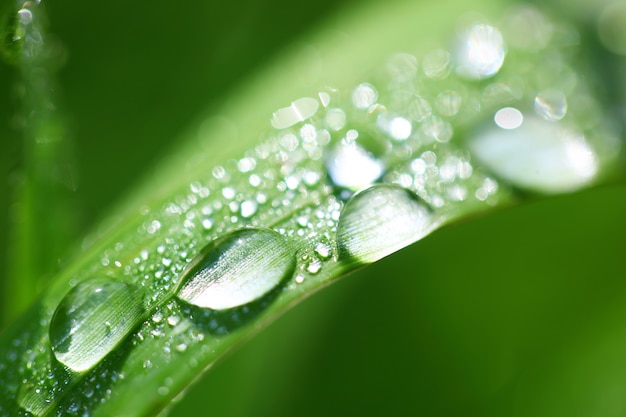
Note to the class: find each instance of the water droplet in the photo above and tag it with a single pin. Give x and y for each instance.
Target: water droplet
(398, 128)
(438, 129)
(25, 16)
(237, 268)
(419, 109)
(351, 166)
(612, 27)
(551, 105)
(323, 250)
(299, 111)
(436, 64)
(248, 208)
(527, 28)
(509, 118)
(402, 67)
(92, 319)
(481, 52)
(314, 266)
(336, 119)
(381, 220)
(538, 155)
(364, 96)
(448, 103)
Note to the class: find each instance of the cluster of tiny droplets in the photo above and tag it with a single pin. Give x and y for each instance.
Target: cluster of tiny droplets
(406, 126)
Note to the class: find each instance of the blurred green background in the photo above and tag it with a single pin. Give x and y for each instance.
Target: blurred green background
(519, 313)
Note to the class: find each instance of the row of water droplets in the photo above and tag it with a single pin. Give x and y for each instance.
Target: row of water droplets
(344, 177)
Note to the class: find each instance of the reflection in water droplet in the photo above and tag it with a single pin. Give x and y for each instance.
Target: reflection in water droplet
(481, 52)
(551, 105)
(351, 166)
(538, 155)
(237, 268)
(299, 111)
(381, 220)
(92, 319)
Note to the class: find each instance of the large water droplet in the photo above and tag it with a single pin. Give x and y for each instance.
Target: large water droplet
(238, 268)
(481, 52)
(381, 220)
(92, 319)
(537, 155)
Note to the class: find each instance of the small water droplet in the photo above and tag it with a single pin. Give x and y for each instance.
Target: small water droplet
(248, 208)
(364, 96)
(436, 64)
(299, 111)
(351, 166)
(419, 109)
(481, 52)
(237, 268)
(381, 220)
(336, 119)
(538, 155)
(314, 266)
(92, 319)
(448, 103)
(25, 16)
(612, 27)
(323, 249)
(508, 118)
(398, 128)
(551, 105)
(402, 67)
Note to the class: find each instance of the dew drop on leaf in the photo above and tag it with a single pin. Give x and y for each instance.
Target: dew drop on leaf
(238, 268)
(381, 220)
(92, 319)
(536, 154)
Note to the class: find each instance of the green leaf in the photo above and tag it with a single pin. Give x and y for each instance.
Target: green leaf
(228, 183)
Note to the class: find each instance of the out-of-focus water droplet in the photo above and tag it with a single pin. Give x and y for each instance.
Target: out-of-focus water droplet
(350, 166)
(537, 155)
(527, 28)
(248, 208)
(509, 118)
(397, 127)
(299, 111)
(237, 268)
(364, 96)
(92, 319)
(436, 64)
(336, 119)
(437, 129)
(448, 103)
(480, 53)
(612, 27)
(551, 105)
(419, 109)
(381, 220)
(402, 67)
(25, 16)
